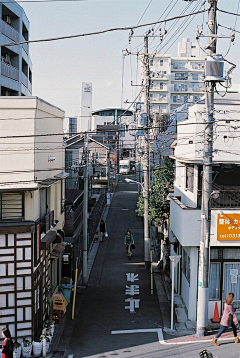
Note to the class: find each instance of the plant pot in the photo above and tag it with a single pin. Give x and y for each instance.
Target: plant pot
(26, 349)
(37, 348)
(17, 350)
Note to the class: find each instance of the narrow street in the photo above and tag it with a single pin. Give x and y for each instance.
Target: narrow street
(101, 309)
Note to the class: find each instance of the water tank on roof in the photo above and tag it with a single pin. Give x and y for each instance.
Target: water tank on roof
(214, 69)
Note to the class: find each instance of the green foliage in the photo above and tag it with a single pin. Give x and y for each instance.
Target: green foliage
(161, 186)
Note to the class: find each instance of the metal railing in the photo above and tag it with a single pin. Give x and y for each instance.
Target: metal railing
(95, 217)
(227, 199)
(9, 31)
(24, 80)
(9, 71)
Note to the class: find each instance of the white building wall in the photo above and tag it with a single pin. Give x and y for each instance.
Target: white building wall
(29, 118)
(85, 112)
(187, 48)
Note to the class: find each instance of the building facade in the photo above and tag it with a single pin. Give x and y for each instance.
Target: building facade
(175, 80)
(32, 197)
(16, 66)
(185, 208)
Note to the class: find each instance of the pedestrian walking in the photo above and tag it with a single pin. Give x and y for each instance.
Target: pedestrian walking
(227, 319)
(102, 230)
(7, 344)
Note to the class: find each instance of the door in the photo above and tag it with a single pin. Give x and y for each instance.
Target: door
(231, 282)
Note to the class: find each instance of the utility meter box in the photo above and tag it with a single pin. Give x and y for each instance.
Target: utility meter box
(214, 69)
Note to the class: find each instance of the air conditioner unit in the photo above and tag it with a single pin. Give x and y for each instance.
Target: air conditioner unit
(7, 19)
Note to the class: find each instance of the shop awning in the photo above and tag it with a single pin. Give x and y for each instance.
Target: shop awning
(47, 239)
(58, 249)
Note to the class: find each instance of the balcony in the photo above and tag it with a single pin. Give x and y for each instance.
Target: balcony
(48, 222)
(9, 31)
(187, 235)
(25, 46)
(24, 80)
(229, 197)
(158, 100)
(9, 71)
(198, 89)
(73, 219)
(180, 89)
(197, 66)
(158, 75)
(178, 67)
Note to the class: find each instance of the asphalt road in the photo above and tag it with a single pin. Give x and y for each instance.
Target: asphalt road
(103, 308)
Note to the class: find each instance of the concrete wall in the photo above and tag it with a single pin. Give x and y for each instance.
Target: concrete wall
(27, 156)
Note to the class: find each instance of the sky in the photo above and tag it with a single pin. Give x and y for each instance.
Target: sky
(59, 67)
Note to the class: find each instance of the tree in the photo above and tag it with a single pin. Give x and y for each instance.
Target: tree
(161, 186)
(159, 205)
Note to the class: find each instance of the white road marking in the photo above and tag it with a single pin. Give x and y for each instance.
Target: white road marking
(160, 336)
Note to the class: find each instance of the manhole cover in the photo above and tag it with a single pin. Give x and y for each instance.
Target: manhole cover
(58, 353)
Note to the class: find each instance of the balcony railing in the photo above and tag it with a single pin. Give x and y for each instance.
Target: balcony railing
(9, 71)
(24, 80)
(227, 199)
(73, 219)
(9, 31)
(180, 89)
(25, 46)
(197, 89)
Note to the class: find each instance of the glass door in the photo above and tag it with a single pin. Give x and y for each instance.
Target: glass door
(231, 282)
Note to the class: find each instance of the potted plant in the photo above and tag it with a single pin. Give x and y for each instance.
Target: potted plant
(26, 348)
(17, 350)
(37, 347)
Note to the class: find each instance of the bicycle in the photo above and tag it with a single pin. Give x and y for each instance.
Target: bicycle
(129, 250)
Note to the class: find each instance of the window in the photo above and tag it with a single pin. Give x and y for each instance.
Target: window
(161, 62)
(189, 177)
(181, 76)
(174, 99)
(193, 46)
(186, 265)
(97, 155)
(11, 206)
(68, 160)
(161, 85)
(214, 282)
(151, 62)
(195, 77)
(72, 126)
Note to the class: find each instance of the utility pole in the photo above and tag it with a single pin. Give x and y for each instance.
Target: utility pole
(146, 152)
(108, 177)
(204, 258)
(85, 213)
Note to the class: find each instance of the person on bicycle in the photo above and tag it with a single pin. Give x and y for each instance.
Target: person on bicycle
(128, 240)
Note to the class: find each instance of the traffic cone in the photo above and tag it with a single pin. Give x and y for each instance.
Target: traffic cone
(216, 318)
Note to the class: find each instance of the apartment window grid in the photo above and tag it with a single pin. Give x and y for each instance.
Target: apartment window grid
(72, 125)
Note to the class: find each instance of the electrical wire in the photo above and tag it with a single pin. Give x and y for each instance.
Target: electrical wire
(100, 32)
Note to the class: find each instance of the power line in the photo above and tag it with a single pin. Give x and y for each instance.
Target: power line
(100, 32)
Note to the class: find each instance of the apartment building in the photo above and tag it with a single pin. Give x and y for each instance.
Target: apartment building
(175, 80)
(16, 66)
(32, 204)
(185, 207)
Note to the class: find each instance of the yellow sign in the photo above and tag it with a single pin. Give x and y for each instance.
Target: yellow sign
(228, 227)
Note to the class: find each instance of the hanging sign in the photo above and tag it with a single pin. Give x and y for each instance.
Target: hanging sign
(228, 227)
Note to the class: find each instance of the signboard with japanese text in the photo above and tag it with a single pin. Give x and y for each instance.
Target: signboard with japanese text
(228, 227)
